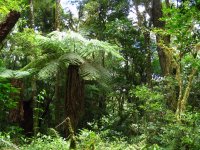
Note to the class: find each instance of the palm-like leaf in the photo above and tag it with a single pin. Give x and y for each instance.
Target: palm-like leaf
(69, 48)
(72, 58)
(49, 70)
(7, 73)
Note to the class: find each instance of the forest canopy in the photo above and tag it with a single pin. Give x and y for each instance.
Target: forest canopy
(112, 75)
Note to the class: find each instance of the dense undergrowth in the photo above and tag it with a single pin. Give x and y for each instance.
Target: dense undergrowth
(165, 135)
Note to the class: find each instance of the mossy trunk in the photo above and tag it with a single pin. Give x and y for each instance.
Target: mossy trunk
(183, 97)
(164, 57)
(74, 102)
(57, 15)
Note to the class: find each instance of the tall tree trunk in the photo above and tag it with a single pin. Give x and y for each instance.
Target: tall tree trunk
(57, 15)
(148, 58)
(101, 37)
(17, 115)
(74, 102)
(35, 106)
(146, 33)
(164, 57)
(58, 85)
(58, 98)
(8, 24)
(32, 19)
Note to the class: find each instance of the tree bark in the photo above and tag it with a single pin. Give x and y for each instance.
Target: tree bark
(74, 102)
(148, 58)
(164, 58)
(58, 97)
(183, 97)
(32, 19)
(8, 24)
(57, 15)
(35, 106)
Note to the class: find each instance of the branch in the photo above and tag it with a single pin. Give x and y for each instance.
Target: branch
(8, 24)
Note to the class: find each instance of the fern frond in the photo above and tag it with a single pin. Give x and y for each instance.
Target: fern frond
(73, 42)
(94, 72)
(96, 46)
(89, 72)
(72, 58)
(40, 62)
(49, 70)
(7, 73)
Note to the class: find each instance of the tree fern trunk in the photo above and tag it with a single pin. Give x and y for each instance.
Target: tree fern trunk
(74, 102)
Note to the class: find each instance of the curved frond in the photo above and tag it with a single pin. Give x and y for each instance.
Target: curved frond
(7, 73)
(49, 70)
(94, 72)
(40, 62)
(73, 42)
(72, 58)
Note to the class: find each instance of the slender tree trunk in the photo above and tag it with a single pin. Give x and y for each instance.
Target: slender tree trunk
(58, 85)
(57, 15)
(35, 106)
(8, 24)
(148, 58)
(146, 35)
(58, 98)
(183, 97)
(32, 19)
(74, 102)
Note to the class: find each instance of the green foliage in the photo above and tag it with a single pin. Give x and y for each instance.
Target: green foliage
(62, 48)
(91, 140)
(7, 99)
(182, 135)
(135, 116)
(152, 100)
(6, 143)
(7, 73)
(44, 142)
(6, 6)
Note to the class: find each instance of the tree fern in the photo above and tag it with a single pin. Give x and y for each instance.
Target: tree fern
(73, 42)
(7, 73)
(49, 70)
(58, 49)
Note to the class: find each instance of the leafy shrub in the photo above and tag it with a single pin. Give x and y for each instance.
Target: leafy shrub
(89, 140)
(45, 142)
(7, 101)
(183, 135)
(5, 142)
